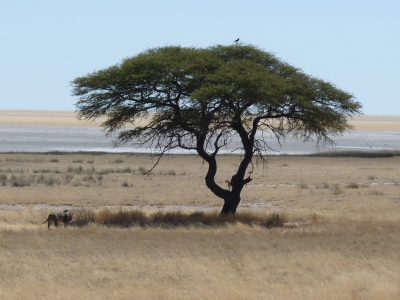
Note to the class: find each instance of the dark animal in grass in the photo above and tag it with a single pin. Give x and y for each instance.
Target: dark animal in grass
(65, 217)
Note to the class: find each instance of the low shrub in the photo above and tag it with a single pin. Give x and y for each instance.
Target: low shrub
(126, 184)
(353, 185)
(142, 171)
(303, 186)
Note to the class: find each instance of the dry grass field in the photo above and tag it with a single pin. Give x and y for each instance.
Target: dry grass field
(341, 239)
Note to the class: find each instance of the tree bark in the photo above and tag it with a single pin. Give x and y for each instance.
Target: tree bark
(231, 202)
(232, 198)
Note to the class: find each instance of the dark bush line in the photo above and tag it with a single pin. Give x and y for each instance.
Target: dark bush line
(131, 218)
(360, 154)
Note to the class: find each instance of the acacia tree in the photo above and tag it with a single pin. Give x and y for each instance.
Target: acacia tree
(199, 99)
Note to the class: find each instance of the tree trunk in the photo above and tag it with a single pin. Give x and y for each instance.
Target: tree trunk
(231, 202)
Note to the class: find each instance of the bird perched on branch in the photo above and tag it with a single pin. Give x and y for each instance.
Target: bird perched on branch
(236, 41)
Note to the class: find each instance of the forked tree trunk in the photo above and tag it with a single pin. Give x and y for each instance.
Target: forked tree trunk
(231, 198)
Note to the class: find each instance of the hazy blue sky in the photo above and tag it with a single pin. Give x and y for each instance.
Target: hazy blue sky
(45, 44)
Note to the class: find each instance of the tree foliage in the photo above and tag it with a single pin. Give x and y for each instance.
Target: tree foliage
(199, 99)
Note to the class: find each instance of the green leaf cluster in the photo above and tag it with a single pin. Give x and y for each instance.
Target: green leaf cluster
(196, 94)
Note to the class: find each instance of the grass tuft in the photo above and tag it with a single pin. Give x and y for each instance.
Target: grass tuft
(20, 181)
(3, 179)
(376, 192)
(303, 186)
(142, 171)
(84, 217)
(168, 172)
(337, 190)
(78, 170)
(121, 218)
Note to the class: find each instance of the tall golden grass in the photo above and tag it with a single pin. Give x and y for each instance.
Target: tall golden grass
(330, 259)
(336, 232)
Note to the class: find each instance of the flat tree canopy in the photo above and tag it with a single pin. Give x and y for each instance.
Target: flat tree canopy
(199, 99)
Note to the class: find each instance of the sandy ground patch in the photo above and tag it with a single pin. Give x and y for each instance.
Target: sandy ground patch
(69, 118)
(376, 123)
(353, 185)
(44, 118)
